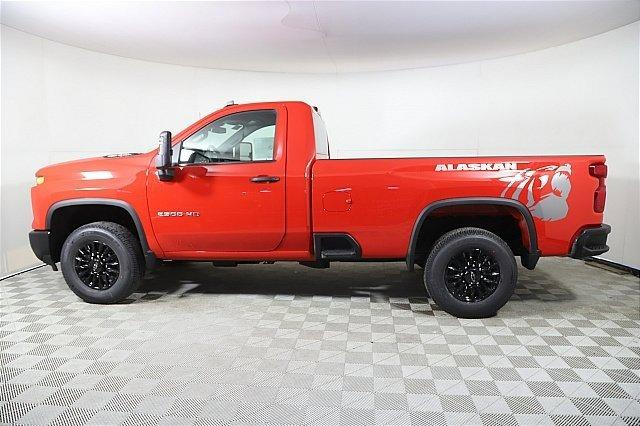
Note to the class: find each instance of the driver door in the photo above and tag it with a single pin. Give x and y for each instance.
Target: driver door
(228, 193)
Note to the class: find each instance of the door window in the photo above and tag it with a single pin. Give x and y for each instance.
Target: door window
(240, 137)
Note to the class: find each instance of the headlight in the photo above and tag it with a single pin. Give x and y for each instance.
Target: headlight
(39, 180)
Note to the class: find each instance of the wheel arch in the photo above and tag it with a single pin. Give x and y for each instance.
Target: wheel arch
(529, 259)
(59, 206)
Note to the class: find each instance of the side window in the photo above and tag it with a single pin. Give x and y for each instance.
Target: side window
(321, 138)
(243, 136)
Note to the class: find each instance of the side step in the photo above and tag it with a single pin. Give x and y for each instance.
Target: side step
(337, 254)
(329, 247)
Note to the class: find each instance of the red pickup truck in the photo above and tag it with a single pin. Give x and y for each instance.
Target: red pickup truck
(255, 183)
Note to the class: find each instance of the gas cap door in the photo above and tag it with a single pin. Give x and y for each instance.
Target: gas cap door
(338, 200)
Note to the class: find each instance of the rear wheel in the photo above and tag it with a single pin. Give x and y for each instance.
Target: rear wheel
(102, 262)
(470, 273)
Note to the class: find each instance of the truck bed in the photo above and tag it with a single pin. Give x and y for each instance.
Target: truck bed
(371, 199)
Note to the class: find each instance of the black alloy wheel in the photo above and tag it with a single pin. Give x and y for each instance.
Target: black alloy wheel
(97, 265)
(102, 262)
(472, 275)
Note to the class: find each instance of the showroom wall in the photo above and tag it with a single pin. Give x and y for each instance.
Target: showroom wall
(61, 103)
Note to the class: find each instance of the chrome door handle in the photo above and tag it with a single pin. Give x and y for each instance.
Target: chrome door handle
(264, 179)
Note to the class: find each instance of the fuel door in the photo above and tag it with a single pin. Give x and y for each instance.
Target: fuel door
(338, 200)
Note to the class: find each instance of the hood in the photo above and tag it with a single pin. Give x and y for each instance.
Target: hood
(106, 167)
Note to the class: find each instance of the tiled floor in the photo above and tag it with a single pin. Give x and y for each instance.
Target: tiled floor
(356, 344)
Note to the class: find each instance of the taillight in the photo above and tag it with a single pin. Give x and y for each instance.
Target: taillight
(600, 196)
(598, 170)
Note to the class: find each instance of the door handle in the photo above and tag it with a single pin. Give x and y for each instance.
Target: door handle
(264, 179)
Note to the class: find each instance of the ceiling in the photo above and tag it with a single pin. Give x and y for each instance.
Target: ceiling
(317, 36)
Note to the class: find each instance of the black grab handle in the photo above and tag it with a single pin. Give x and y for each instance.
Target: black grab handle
(264, 179)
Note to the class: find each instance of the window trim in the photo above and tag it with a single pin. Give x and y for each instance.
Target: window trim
(179, 144)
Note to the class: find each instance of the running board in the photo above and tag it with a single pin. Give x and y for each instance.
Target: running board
(338, 254)
(336, 247)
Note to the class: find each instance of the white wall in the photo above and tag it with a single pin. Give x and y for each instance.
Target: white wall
(60, 102)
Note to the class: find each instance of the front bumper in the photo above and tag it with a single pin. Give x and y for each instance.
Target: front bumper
(591, 242)
(39, 241)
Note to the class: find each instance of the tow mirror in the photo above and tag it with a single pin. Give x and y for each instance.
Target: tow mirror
(164, 160)
(246, 151)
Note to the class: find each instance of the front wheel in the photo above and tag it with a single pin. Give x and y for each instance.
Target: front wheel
(470, 273)
(102, 262)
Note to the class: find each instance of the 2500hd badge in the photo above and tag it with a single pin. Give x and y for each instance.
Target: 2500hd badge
(179, 214)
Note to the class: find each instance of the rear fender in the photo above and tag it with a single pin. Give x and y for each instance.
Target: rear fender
(529, 259)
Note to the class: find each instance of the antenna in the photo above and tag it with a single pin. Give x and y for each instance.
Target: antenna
(230, 103)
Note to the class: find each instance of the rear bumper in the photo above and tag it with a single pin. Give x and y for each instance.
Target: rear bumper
(591, 242)
(39, 241)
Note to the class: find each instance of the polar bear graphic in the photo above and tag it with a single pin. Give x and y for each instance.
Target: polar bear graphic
(543, 190)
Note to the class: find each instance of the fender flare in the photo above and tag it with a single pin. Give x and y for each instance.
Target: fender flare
(149, 256)
(529, 260)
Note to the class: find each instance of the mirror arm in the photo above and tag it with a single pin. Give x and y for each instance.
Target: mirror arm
(177, 148)
(166, 175)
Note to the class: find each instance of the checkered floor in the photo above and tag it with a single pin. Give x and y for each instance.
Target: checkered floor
(356, 344)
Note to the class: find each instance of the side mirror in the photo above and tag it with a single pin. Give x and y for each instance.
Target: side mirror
(164, 161)
(246, 151)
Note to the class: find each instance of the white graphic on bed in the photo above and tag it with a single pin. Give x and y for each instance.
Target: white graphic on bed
(544, 190)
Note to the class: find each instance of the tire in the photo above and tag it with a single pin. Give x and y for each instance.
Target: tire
(108, 243)
(460, 273)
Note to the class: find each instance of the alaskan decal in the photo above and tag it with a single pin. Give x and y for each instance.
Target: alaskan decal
(543, 190)
(476, 167)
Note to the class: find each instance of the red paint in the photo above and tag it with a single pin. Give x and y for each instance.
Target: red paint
(376, 201)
